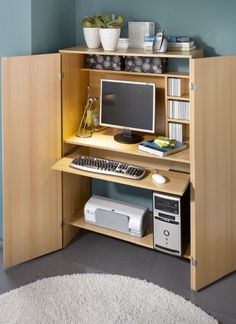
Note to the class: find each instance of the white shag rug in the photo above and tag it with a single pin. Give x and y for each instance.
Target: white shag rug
(97, 299)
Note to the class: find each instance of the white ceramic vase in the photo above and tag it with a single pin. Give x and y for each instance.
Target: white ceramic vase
(109, 38)
(91, 36)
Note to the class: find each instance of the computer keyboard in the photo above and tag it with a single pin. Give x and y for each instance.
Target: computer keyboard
(111, 167)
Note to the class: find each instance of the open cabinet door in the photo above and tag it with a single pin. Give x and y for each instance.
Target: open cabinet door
(213, 169)
(32, 208)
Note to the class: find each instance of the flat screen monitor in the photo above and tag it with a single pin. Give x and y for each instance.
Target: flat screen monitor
(128, 105)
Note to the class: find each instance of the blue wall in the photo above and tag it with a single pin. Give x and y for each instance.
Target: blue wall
(212, 23)
(34, 26)
(53, 25)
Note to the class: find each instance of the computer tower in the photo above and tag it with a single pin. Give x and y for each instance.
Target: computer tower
(171, 219)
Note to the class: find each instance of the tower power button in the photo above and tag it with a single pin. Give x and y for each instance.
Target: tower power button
(166, 233)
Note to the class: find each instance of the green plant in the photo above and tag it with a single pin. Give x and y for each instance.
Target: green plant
(102, 21)
(88, 21)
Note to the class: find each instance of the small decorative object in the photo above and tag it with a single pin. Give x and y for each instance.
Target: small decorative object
(91, 32)
(123, 43)
(109, 30)
(145, 64)
(160, 43)
(87, 120)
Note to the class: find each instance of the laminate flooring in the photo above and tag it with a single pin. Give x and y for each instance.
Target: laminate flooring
(94, 253)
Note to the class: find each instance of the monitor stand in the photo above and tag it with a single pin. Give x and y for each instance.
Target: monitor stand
(128, 137)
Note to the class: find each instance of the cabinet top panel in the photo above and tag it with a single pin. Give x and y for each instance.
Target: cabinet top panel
(134, 52)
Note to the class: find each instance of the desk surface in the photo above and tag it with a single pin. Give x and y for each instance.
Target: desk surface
(105, 140)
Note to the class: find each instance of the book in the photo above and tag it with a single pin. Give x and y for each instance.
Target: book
(175, 48)
(176, 131)
(148, 45)
(151, 147)
(183, 44)
(149, 38)
(180, 39)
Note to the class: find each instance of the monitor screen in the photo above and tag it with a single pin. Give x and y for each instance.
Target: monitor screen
(128, 105)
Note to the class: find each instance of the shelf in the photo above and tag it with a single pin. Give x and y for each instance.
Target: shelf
(133, 52)
(165, 74)
(176, 182)
(180, 121)
(173, 74)
(145, 241)
(184, 97)
(105, 140)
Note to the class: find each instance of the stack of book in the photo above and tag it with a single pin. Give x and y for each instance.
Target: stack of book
(178, 109)
(174, 87)
(152, 147)
(148, 42)
(180, 43)
(176, 131)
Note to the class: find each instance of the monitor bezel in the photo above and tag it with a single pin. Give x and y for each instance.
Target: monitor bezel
(125, 127)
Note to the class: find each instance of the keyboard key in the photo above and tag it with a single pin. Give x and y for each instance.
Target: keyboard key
(105, 166)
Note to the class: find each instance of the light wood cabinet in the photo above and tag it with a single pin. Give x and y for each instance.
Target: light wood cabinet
(38, 199)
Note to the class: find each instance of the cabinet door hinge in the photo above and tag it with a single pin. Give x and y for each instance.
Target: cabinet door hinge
(192, 86)
(62, 224)
(193, 262)
(61, 76)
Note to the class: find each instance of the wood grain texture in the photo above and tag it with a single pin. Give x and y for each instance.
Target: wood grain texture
(213, 175)
(74, 93)
(105, 140)
(31, 144)
(133, 52)
(146, 240)
(176, 182)
(76, 191)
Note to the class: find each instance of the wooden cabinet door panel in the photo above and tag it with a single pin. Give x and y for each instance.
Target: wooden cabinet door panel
(213, 169)
(31, 145)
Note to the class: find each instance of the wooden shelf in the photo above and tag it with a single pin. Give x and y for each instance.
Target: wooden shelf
(145, 241)
(133, 52)
(105, 140)
(181, 121)
(176, 182)
(156, 75)
(184, 97)
(181, 74)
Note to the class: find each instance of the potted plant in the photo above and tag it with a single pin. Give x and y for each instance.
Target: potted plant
(91, 32)
(109, 30)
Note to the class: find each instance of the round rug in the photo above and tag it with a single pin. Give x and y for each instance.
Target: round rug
(97, 298)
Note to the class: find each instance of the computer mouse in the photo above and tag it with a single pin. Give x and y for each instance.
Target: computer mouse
(158, 178)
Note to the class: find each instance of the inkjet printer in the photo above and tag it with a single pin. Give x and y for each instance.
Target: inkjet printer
(116, 215)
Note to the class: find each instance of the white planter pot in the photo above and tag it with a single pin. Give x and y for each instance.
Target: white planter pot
(109, 38)
(91, 36)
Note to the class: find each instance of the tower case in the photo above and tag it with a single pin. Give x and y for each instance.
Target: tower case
(171, 219)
